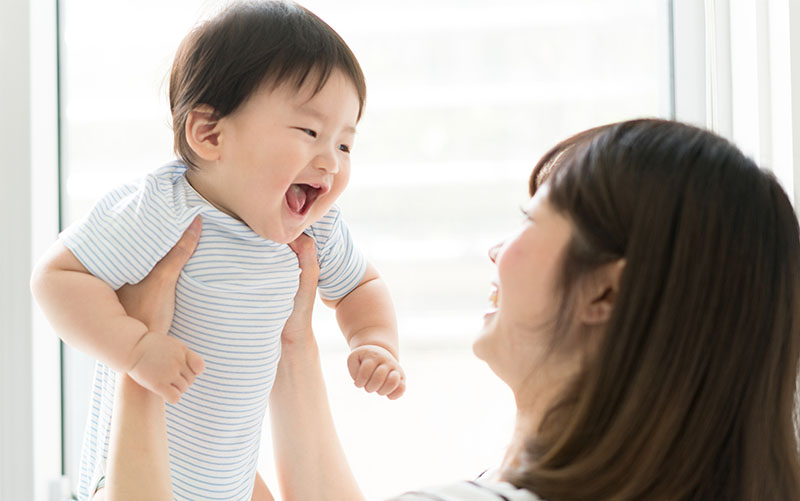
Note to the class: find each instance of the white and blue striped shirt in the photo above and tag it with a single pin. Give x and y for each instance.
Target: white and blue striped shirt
(232, 300)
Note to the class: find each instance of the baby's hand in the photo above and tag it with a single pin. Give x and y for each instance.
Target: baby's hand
(375, 369)
(165, 366)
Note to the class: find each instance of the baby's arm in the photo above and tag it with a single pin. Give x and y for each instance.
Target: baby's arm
(88, 316)
(367, 319)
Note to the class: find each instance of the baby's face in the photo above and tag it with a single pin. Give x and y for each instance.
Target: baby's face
(285, 156)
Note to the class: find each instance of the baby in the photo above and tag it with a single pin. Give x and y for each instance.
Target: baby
(265, 99)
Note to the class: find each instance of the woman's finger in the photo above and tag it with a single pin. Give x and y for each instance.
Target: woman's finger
(152, 300)
(173, 262)
(305, 248)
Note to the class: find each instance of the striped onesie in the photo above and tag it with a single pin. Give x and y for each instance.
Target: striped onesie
(232, 300)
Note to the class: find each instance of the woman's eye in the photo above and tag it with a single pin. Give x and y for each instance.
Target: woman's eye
(344, 148)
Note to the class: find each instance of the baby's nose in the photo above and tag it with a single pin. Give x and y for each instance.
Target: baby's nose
(327, 163)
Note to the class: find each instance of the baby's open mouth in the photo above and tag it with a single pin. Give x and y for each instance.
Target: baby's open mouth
(300, 197)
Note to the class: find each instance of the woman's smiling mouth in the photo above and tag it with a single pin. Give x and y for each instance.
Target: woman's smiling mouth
(493, 303)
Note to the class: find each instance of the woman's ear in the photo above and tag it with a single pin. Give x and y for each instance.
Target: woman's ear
(202, 132)
(600, 295)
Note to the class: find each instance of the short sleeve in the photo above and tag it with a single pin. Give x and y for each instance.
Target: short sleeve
(131, 228)
(342, 265)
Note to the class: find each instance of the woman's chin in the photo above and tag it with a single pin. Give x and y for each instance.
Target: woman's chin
(484, 348)
(482, 342)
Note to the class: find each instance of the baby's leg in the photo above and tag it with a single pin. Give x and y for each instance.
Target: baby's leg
(260, 490)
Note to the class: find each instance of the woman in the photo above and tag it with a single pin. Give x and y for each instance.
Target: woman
(647, 321)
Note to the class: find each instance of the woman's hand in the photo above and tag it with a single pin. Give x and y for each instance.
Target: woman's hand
(298, 325)
(152, 301)
(163, 364)
(138, 458)
(309, 460)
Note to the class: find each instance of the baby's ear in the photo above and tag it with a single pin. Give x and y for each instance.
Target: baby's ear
(202, 132)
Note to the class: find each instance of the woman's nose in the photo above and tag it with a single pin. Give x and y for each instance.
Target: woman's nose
(493, 250)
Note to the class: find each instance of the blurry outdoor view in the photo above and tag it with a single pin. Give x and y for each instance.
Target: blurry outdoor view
(463, 98)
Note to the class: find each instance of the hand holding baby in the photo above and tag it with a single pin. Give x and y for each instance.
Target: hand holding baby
(161, 363)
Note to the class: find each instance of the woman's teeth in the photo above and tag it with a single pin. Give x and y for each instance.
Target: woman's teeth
(493, 298)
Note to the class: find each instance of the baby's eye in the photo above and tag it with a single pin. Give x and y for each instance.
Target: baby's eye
(344, 148)
(310, 132)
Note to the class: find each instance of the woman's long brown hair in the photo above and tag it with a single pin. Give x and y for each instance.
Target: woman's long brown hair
(691, 394)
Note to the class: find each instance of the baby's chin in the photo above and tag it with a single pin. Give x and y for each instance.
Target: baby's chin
(280, 237)
(289, 228)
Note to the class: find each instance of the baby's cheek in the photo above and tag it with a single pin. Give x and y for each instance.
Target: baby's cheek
(341, 180)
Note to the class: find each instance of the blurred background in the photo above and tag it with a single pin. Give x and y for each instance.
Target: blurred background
(464, 96)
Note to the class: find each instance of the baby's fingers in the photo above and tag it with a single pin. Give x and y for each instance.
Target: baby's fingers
(170, 393)
(181, 384)
(188, 376)
(195, 363)
(364, 373)
(377, 379)
(398, 392)
(393, 380)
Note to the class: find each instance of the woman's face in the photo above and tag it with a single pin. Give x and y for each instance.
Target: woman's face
(524, 297)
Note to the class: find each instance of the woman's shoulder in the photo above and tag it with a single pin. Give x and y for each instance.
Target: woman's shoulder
(470, 490)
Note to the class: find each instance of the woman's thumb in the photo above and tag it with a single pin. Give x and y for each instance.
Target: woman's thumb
(177, 257)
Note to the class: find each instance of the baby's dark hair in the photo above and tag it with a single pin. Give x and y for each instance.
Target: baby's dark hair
(224, 60)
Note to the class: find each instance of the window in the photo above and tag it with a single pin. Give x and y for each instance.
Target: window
(463, 98)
